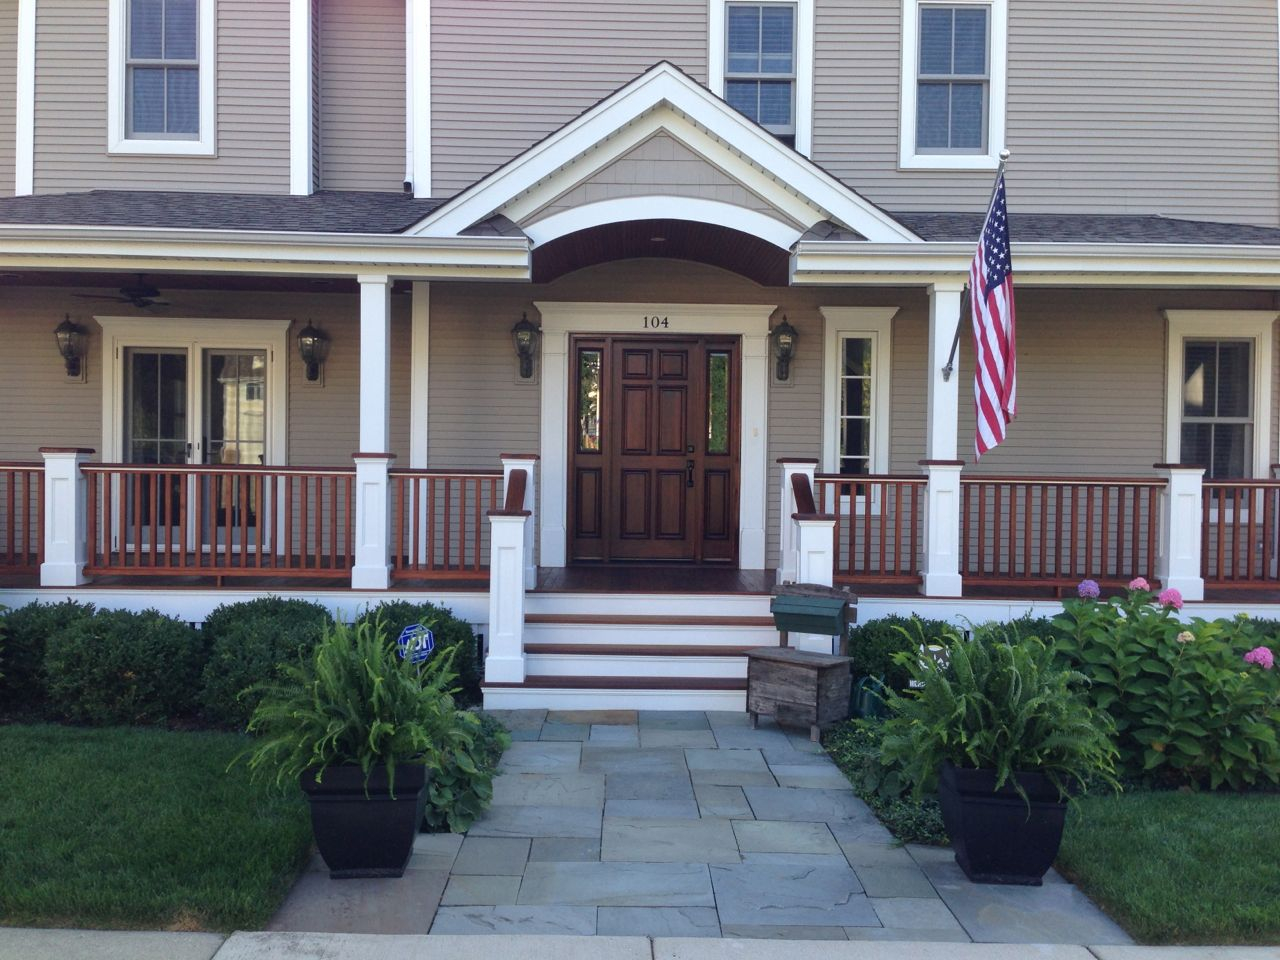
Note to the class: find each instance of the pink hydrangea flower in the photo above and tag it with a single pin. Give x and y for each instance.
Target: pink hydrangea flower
(1186, 636)
(1170, 597)
(1139, 583)
(1089, 590)
(1262, 656)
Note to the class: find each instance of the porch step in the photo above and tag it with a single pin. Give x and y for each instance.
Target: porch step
(636, 650)
(586, 619)
(618, 693)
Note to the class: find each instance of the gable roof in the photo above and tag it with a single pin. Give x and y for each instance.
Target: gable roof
(664, 98)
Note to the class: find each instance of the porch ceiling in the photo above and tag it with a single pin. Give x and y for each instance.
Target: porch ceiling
(706, 243)
(111, 280)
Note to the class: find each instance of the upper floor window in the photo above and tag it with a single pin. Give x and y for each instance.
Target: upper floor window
(761, 62)
(760, 65)
(161, 77)
(953, 77)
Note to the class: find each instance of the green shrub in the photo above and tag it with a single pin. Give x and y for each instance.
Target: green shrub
(874, 645)
(458, 792)
(27, 631)
(1001, 707)
(118, 667)
(247, 642)
(355, 701)
(1188, 709)
(452, 635)
(855, 747)
(1043, 628)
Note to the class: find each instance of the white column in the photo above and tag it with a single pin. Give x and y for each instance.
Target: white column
(420, 366)
(301, 166)
(941, 573)
(525, 462)
(941, 423)
(505, 660)
(375, 362)
(1181, 508)
(372, 569)
(64, 508)
(788, 565)
(553, 534)
(754, 476)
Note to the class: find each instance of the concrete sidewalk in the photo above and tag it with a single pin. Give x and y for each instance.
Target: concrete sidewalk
(20, 944)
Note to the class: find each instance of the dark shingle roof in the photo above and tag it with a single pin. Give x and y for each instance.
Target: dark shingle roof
(324, 212)
(1090, 228)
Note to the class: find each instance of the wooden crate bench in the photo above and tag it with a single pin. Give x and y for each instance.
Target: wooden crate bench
(797, 688)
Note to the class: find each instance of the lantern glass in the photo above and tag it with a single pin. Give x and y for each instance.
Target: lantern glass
(313, 347)
(524, 335)
(72, 345)
(784, 345)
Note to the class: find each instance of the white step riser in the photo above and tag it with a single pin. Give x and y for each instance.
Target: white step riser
(551, 699)
(648, 605)
(557, 665)
(652, 634)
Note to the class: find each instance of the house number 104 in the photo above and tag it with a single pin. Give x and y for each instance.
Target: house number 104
(653, 323)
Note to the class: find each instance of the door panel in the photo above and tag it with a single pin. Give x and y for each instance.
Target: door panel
(633, 506)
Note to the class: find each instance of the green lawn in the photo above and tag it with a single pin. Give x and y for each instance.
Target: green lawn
(133, 828)
(1181, 867)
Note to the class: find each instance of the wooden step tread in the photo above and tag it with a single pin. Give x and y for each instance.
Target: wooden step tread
(624, 683)
(637, 650)
(590, 619)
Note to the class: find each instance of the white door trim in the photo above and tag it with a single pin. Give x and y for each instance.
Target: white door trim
(560, 320)
(194, 335)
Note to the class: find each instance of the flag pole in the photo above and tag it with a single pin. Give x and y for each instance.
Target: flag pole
(964, 296)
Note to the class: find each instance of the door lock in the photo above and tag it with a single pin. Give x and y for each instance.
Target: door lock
(688, 473)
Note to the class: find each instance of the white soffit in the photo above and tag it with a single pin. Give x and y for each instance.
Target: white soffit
(664, 98)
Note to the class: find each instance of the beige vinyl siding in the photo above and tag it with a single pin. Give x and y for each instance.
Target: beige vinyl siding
(8, 91)
(506, 73)
(362, 98)
(252, 96)
(660, 165)
(1119, 107)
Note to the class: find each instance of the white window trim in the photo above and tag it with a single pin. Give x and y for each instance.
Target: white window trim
(25, 101)
(194, 335)
(877, 324)
(418, 97)
(804, 62)
(1256, 325)
(998, 68)
(118, 140)
(301, 161)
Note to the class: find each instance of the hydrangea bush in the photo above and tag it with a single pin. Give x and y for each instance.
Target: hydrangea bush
(1192, 703)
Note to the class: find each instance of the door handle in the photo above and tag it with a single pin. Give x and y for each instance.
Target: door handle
(688, 473)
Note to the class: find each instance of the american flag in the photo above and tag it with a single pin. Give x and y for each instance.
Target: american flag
(991, 299)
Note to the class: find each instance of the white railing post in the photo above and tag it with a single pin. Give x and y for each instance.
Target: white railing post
(940, 574)
(525, 462)
(65, 521)
(815, 550)
(504, 662)
(372, 568)
(788, 564)
(1181, 529)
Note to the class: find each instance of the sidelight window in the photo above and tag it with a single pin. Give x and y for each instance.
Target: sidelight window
(589, 362)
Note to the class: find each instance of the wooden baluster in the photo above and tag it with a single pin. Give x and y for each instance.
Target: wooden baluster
(1268, 530)
(899, 533)
(397, 530)
(11, 482)
(431, 523)
(475, 539)
(1206, 530)
(39, 527)
(1043, 569)
(333, 522)
(1221, 525)
(448, 521)
(1028, 531)
(1252, 495)
(1238, 516)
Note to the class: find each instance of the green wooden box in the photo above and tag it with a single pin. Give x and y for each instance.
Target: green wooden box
(808, 608)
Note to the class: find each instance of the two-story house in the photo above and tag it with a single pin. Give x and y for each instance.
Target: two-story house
(628, 311)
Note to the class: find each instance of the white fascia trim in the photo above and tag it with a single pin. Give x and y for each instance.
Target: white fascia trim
(622, 209)
(716, 47)
(420, 368)
(908, 159)
(876, 323)
(662, 83)
(301, 178)
(1255, 325)
(24, 137)
(419, 103)
(117, 139)
(194, 334)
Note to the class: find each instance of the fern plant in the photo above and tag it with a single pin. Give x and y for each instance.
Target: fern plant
(353, 700)
(1004, 707)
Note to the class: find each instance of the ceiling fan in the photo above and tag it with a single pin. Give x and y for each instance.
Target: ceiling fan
(141, 294)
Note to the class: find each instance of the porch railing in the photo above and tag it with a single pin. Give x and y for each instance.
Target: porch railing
(220, 521)
(439, 528)
(1057, 531)
(879, 525)
(1240, 532)
(21, 517)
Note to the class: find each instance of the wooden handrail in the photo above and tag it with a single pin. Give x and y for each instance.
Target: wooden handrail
(872, 477)
(187, 469)
(514, 503)
(458, 474)
(1067, 481)
(803, 493)
(20, 465)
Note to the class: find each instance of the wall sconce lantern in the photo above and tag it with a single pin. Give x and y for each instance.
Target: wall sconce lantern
(73, 344)
(525, 336)
(313, 346)
(784, 338)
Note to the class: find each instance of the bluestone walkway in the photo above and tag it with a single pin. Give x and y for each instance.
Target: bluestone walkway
(685, 825)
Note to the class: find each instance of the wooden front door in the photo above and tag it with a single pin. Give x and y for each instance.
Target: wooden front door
(654, 451)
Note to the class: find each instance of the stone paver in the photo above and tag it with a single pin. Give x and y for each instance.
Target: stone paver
(690, 828)
(658, 922)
